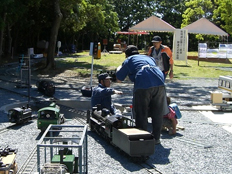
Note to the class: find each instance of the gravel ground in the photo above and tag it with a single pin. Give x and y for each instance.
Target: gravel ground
(203, 147)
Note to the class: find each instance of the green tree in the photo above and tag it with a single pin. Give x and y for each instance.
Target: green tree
(195, 10)
(10, 13)
(223, 14)
(171, 11)
(101, 23)
(131, 12)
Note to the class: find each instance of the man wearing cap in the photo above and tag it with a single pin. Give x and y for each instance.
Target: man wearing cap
(102, 93)
(149, 94)
(162, 55)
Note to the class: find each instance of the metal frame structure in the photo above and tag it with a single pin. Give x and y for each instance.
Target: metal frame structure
(76, 136)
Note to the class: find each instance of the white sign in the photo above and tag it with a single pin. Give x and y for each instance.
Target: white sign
(202, 50)
(59, 44)
(91, 49)
(212, 53)
(226, 50)
(30, 51)
(180, 44)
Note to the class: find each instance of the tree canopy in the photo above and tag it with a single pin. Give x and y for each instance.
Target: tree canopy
(25, 23)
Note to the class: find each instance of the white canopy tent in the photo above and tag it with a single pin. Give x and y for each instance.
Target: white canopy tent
(153, 24)
(204, 26)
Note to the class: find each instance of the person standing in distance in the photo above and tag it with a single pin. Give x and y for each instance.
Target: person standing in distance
(149, 94)
(162, 55)
(101, 94)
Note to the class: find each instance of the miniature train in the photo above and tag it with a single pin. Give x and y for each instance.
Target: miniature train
(8, 163)
(19, 115)
(49, 115)
(121, 132)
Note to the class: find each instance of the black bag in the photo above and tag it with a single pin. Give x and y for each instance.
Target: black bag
(86, 91)
(46, 87)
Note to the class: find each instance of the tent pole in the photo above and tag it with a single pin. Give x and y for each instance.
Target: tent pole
(137, 41)
(128, 39)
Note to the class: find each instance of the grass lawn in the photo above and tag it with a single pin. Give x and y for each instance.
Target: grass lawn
(81, 64)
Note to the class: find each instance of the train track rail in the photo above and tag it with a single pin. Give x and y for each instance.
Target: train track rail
(7, 128)
(30, 164)
(150, 168)
(80, 116)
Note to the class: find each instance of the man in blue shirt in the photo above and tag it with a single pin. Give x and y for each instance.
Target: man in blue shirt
(149, 95)
(102, 93)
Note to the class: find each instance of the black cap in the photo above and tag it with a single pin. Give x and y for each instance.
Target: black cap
(103, 76)
(156, 39)
(131, 50)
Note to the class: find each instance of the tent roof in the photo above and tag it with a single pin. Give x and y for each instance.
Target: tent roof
(153, 24)
(204, 26)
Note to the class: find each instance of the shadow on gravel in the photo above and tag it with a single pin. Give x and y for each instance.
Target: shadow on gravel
(39, 136)
(161, 155)
(18, 126)
(114, 152)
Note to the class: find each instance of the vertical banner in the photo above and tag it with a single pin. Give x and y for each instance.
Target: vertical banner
(180, 44)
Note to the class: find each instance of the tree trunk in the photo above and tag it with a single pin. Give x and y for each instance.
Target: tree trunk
(53, 38)
(9, 40)
(2, 36)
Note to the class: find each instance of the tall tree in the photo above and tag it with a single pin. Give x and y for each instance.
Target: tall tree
(197, 9)
(171, 11)
(131, 12)
(53, 35)
(223, 14)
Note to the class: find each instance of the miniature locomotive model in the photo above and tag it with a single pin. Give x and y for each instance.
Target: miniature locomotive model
(63, 162)
(19, 115)
(49, 115)
(46, 87)
(65, 153)
(121, 131)
(8, 164)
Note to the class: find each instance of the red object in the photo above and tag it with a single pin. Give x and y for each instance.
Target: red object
(132, 32)
(105, 41)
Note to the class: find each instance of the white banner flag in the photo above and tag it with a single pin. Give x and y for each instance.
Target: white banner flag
(180, 44)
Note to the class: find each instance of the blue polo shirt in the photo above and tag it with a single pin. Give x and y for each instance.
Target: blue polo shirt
(142, 70)
(102, 95)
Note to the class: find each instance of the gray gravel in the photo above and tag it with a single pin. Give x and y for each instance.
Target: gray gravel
(204, 147)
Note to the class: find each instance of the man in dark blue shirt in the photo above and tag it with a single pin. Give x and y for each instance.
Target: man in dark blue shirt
(149, 95)
(102, 93)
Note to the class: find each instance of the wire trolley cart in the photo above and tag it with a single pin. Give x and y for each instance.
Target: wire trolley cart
(63, 149)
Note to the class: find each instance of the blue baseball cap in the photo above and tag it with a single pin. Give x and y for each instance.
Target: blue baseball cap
(103, 76)
(156, 39)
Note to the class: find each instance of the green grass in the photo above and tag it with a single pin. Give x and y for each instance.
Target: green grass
(205, 69)
(81, 64)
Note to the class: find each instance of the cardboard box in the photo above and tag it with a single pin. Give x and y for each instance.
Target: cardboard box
(216, 97)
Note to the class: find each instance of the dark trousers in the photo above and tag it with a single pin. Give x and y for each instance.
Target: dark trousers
(152, 102)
